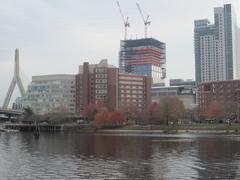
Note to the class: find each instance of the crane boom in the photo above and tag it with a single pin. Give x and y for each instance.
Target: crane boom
(125, 21)
(146, 20)
(140, 11)
(120, 10)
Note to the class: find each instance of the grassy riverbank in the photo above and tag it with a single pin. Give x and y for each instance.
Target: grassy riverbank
(197, 128)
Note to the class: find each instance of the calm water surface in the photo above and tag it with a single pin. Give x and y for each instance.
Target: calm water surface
(96, 156)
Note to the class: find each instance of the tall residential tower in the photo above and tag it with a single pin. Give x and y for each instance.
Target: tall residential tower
(216, 47)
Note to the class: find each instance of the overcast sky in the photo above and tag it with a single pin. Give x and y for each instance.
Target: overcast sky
(55, 36)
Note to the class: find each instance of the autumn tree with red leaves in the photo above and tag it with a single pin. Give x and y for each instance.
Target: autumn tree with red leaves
(215, 111)
(106, 119)
(91, 109)
(118, 117)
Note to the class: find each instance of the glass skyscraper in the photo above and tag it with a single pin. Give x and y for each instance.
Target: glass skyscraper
(216, 46)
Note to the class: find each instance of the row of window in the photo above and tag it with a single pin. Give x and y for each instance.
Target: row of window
(131, 96)
(101, 80)
(132, 91)
(131, 82)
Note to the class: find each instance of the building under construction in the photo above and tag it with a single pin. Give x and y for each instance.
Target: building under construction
(144, 57)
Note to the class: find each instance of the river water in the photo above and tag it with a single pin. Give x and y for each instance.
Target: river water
(98, 156)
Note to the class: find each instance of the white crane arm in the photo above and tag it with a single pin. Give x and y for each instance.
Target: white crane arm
(140, 11)
(121, 13)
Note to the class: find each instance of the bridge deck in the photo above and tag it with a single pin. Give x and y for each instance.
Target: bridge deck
(11, 112)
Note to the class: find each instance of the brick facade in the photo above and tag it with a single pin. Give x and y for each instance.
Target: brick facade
(102, 82)
(225, 92)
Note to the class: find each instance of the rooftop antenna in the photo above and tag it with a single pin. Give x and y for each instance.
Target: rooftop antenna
(146, 20)
(125, 21)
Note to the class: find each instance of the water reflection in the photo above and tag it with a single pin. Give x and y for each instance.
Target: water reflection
(74, 156)
(218, 157)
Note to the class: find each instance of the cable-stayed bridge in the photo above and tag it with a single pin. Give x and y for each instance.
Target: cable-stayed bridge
(16, 81)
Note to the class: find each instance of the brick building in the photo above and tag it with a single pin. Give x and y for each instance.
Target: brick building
(227, 93)
(103, 82)
(134, 90)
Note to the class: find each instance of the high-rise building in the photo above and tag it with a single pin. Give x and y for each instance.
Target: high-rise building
(216, 53)
(48, 93)
(103, 83)
(144, 57)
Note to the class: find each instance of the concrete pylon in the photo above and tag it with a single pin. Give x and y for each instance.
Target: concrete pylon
(15, 81)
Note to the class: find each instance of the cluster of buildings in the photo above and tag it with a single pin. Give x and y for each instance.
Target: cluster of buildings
(217, 48)
(217, 59)
(142, 64)
(104, 83)
(185, 90)
(140, 78)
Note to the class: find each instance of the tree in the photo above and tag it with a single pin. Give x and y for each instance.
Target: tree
(177, 109)
(215, 111)
(89, 112)
(171, 109)
(193, 114)
(230, 109)
(28, 115)
(117, 117)
(106, 119)
(100, 120)
(154, 113)
(131, 112)
(28, 112)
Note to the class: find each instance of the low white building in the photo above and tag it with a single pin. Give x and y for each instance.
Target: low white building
(186, 94)
(50, 93)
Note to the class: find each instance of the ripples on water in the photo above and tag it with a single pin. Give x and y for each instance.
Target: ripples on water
(88, 156)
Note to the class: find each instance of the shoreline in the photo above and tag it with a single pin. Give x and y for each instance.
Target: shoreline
(119, 131)
(137, 129)
(163, 129)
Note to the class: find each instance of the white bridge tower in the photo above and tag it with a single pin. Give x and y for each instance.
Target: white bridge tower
(15, 81)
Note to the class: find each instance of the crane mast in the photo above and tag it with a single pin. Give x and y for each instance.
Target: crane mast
(146, 20)
(125, 21)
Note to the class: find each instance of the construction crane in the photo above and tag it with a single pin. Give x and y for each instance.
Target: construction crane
(146, 20)
(125, 21)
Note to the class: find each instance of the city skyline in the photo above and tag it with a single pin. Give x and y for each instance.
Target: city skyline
(55, 37)
(217, 46)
